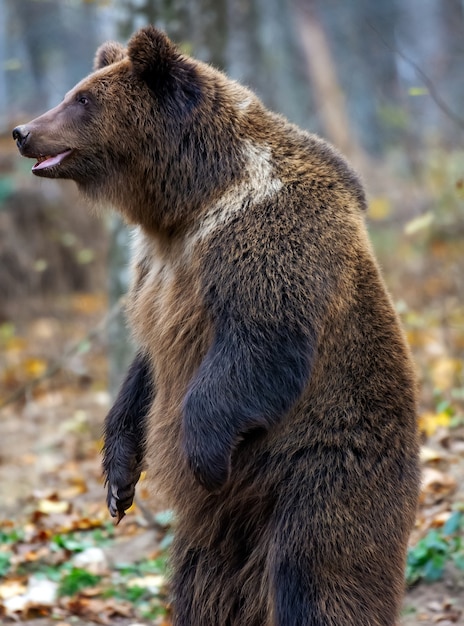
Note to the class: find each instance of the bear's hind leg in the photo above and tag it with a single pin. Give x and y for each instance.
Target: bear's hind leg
(294, 594)
(206, 589)
(182, 588)
(305, 590)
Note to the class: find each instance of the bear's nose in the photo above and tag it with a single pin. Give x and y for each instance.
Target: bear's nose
(20, 134)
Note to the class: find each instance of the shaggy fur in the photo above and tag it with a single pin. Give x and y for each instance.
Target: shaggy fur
(273, 397)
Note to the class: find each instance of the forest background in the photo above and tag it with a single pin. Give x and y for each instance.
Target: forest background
(383, 81)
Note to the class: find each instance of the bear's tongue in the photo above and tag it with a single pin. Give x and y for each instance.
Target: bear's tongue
(49, 161)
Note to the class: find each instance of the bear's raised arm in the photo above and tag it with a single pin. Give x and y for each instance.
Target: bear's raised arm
(250, 378)
(125, 427)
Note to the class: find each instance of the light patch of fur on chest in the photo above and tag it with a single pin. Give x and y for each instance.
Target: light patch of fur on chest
(146, 257)
(258, 185)
(151, 280)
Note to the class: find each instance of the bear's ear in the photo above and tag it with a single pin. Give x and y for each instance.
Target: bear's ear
(108, 53)
(158, 62)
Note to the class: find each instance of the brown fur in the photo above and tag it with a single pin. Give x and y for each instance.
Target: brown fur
(253, 230)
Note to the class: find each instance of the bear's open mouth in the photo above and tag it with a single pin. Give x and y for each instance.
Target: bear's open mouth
(43, 162)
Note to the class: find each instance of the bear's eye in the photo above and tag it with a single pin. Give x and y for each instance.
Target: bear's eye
(83, 100)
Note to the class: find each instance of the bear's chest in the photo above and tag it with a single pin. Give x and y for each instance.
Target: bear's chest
(166, 309)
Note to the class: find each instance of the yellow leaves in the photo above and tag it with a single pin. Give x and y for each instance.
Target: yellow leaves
(14, 344)
(88, 303)
(16, 365)
(54, 514)
(445, 371)
(429, 422)
(437, 349)
(26, 372)
(443, 374)
(425, 338)
(34, 367)
(379, 208)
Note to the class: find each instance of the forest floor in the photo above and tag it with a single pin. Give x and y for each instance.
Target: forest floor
(51, 486)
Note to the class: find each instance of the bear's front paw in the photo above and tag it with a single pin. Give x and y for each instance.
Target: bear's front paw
(209, 435)
(119, 499)
(209, 462)
(122, 471)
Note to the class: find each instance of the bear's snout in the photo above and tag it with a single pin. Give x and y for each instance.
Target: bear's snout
(20, 135)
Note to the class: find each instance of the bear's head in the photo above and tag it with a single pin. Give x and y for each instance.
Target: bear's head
(151, 131)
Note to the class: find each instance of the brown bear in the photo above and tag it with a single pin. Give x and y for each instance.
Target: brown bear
(273, 399)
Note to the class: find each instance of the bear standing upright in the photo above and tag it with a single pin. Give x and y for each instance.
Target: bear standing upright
(272, 399)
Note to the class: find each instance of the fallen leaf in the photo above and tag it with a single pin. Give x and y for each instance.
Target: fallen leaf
(48, 506)
(98, 610)
(152, 582)
(436, 485)
(92, 559)
(39, 595)
(419, 223)
(34, 367)
(430, 422)
(429, 455)
(12, 588)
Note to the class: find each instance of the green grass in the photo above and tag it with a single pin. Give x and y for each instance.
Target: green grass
(429, 557)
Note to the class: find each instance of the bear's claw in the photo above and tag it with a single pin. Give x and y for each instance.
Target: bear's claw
(119, 499)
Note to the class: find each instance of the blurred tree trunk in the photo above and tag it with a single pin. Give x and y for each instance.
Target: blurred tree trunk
(432, 39)
(262, 51)
(453, 85)
(360, 33)
(3, 58)
(50, 45)
(329, 96)
(35, 25)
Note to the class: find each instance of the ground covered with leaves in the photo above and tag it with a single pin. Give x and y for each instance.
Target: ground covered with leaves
(61, 559)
